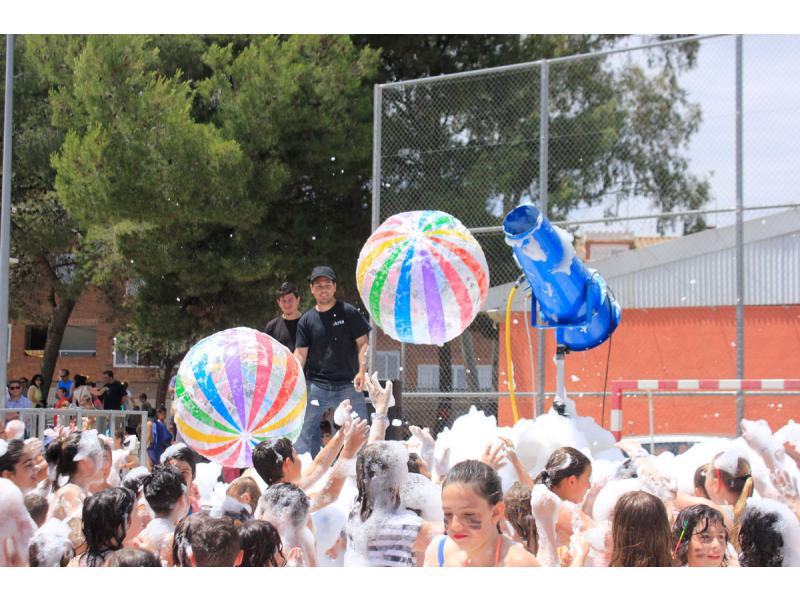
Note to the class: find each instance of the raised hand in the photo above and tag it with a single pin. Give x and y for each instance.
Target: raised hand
(355, 438)
(382, 398)
(494, 455)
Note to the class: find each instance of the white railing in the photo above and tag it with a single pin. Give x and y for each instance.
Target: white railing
(42, 418)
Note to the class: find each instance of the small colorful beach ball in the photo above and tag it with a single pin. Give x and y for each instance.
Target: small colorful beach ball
(235, 389)
(423, 277)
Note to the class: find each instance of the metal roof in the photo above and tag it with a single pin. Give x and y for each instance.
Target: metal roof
(700, 269)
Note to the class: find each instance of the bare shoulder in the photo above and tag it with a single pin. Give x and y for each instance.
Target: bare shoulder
(517, 556)
(432, 552)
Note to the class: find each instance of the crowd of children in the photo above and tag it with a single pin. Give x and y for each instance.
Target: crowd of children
(78, 498)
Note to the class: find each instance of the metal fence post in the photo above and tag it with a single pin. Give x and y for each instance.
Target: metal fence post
(739, 240)
(544, 140)
(376, 203)
(143, 440)
(5, 218)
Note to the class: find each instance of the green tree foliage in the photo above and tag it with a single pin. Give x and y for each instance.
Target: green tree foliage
(471, 146)
(208, 217)
(53, 253)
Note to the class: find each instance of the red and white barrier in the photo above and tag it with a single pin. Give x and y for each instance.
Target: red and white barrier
(619, 387)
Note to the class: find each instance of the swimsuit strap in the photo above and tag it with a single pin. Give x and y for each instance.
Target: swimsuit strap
(441, 550)
(497, 551)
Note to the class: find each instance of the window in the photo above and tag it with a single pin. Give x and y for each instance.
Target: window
(388, 364)
(598, 251)
(79, 340)
(484, 377)
(428, 378)
(35, 338)
(127, 357)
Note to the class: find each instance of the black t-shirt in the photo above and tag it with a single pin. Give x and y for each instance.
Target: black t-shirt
(330, 337)
(282, 330)
(112, 397)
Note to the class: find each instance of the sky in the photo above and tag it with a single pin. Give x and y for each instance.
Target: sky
(771, 129)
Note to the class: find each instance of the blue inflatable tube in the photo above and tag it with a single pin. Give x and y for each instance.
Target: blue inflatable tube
(570, 297)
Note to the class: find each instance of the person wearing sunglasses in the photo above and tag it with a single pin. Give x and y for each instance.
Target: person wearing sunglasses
(16, 399)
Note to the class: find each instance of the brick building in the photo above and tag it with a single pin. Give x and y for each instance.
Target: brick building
(87, 348)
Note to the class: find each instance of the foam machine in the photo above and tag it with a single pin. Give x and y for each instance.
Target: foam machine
(565, 294)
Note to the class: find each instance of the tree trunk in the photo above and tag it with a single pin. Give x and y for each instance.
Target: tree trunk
(167, 364)
(470, 365)
(55, 334)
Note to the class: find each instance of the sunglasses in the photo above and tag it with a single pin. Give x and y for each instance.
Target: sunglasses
(14, 387)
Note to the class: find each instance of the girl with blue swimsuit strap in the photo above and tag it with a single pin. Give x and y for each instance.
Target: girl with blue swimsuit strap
(472, 502)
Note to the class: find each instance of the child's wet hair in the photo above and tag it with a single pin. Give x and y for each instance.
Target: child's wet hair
(261, 543)
(61, 455)
(760, 540)
(518, 512)
(563, 463)
(105, 522)
(700, 479)
(214, 542)
(37, 506)
(242, 485)
(483, 478)
(640, 532)
(287, 502)
(163, 489)
(268, 458)
(132, 557)
(374, 466)
(692, 520)
(187, 455)
(12, 456)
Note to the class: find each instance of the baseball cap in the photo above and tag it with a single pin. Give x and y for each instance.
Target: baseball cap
(322, 272)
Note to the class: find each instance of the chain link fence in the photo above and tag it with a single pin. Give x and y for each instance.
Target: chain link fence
(627, 149)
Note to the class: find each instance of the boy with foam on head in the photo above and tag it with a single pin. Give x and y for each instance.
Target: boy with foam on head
(165, 492)
(285, 506)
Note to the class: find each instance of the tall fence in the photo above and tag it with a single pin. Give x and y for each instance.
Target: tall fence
(631, 150)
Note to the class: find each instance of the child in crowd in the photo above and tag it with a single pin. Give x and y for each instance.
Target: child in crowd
(472, 501)
(165, 492)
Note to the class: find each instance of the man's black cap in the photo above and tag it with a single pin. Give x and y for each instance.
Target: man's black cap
(322, 272)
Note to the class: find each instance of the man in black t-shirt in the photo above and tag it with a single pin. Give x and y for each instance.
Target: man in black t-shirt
(331, 344)
(284, 327)
(113, 392)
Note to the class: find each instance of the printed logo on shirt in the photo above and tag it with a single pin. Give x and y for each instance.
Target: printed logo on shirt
(339, 322)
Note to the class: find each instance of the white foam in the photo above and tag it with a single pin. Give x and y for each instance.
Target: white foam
(52, 540)
(787, 525)
(16, 526)
(3, 447)
(171, 451)
(89, 445)
(420, 493)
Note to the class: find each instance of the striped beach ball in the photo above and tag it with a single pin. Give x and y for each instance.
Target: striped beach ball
(423, 277)
(237, 388)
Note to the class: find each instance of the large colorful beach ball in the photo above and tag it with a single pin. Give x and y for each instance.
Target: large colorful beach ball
(422, 276)
(237, 388)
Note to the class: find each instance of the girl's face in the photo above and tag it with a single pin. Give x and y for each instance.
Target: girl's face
(707, 548)
(574, 487)
(26, 471)
(468, 518)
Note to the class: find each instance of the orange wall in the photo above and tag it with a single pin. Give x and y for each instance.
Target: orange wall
(674, 343)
